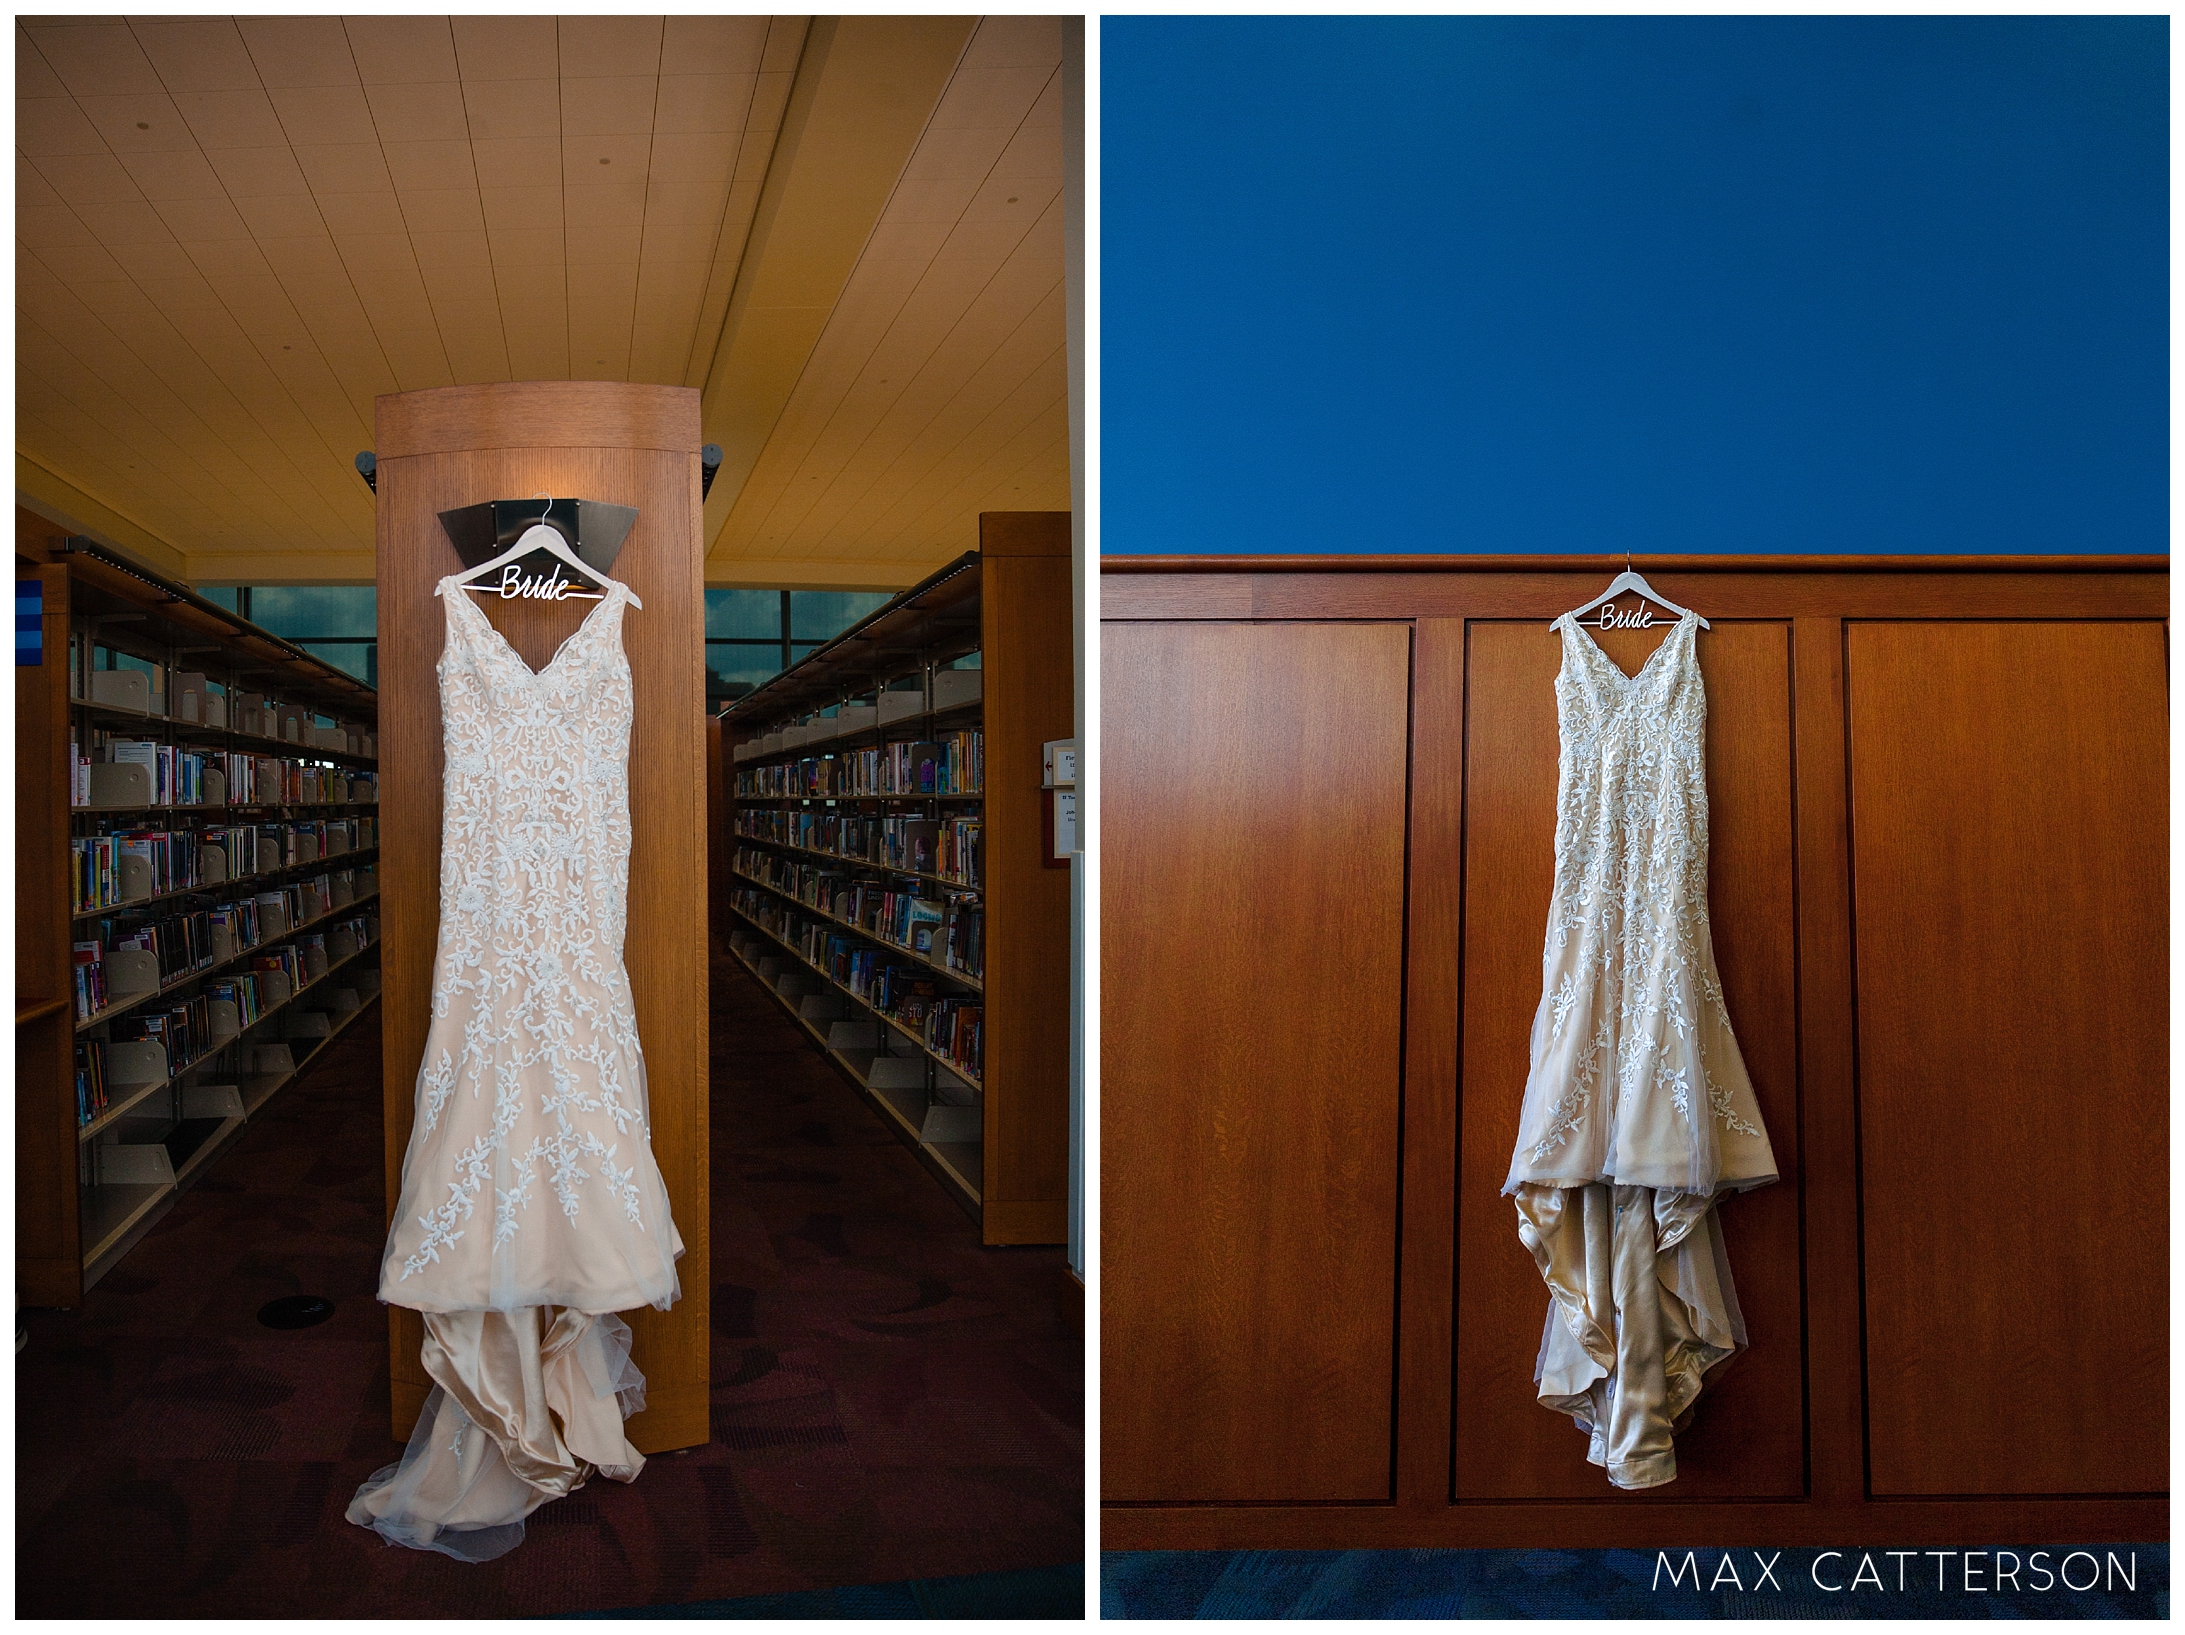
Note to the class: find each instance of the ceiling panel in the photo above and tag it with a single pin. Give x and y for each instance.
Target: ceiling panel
(234, 233)
(251, 227)
(938, 388)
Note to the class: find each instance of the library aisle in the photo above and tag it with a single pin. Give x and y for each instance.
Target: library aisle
(890, 1401)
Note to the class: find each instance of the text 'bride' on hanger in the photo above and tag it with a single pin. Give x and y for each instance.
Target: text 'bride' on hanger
(1611, 619)
(514, 582)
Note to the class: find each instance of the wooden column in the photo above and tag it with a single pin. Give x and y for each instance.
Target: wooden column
(626, 445)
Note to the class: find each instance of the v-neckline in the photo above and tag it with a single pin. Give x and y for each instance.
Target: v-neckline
(1617, 670)
(448, 587)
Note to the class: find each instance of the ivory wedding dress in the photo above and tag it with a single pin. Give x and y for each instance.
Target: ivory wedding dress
(1638, 1115)
(531, 1207)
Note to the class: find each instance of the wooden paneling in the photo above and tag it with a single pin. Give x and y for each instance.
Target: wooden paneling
(1024, 611)
(2009, 822)
(1254, 792)
(2008, 1319)
(627, 445)
(1748, 1438)
(1832, 588)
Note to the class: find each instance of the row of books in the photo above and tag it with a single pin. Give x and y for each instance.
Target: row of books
(949, 931)
(943, 846)
(112, 869)
(175, 775)
(91, 1097)
(178, 774)
(182, 1030)
(258, 848)
(942, 930)
(278, 976)
(907, 994)
(954, 764)
(956, 1028)
(950, 1025)
(191, 696)
(183, 1027)
(189, 1029)
(265, 780)
(182, 943)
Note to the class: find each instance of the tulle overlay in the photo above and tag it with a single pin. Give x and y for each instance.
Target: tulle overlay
(1638, 1115)
(531, 1208)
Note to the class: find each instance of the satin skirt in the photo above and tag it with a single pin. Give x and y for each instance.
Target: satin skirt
(526, 1406)
(1641, 1314)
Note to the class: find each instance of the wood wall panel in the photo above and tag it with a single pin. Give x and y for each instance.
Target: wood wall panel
(1780, 1456)
(627, 445)
(2009, 846)
(1252, 953)
(1748, 1439)
(1024, 611)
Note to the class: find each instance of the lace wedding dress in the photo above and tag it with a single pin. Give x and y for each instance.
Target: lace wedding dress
(531, 1208)
(1638, 1115)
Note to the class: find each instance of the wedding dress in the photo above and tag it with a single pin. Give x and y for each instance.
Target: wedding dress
(531, 1208)
(1638, 1114)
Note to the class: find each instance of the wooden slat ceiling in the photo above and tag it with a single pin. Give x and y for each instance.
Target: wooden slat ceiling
(235, 233)
(939, 387)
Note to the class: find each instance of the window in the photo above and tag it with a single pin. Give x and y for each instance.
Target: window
(337, 624)
(753, 635)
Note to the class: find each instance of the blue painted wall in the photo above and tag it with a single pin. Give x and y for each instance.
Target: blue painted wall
(1659, 284)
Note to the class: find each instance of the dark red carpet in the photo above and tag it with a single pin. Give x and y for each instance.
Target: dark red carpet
(891, 1401)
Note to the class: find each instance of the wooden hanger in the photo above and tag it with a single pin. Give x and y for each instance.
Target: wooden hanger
(1628, 580)
(540, 537)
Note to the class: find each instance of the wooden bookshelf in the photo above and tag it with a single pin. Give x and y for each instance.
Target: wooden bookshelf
(88, 1188)
(995, 1131)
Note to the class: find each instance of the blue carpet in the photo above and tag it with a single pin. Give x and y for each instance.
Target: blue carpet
(2121, 1581)
(1030, 1592)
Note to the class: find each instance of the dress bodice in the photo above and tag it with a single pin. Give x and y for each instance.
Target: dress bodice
(535, 802)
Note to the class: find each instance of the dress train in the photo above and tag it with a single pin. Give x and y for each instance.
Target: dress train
(526, 1406)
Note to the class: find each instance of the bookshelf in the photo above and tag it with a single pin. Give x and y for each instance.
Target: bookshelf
(197, 892)
(888, 872)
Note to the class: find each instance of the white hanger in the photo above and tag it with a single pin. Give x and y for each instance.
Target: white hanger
(540, 537)
(1628, 580)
